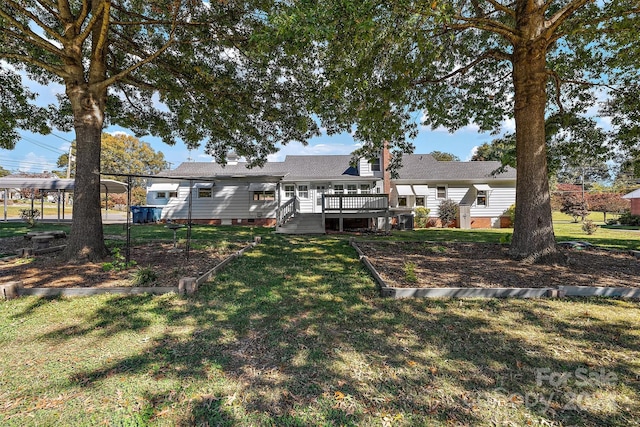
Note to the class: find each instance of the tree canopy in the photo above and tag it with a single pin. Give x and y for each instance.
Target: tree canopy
(577, 149)
(378, 64)
(123, 154)
(441, 156)
(183, 70)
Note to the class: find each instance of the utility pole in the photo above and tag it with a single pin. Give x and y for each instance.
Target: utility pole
(67, 196)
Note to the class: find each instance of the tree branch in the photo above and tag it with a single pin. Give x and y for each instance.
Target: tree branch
(65, 10)
(82, 16)
(552, 24)
(502, 8)
(94, 18)
(104, 28)
(27, 35)
(558, 84)
(49, 7)
(117, 77)
(30, 60)
(486, 25)
(495, 54)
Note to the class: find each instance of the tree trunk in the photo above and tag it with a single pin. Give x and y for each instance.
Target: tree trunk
(533, 239)
(86, 240)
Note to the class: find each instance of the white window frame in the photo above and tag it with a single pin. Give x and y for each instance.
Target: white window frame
(376, 164)
(365, 188)
(173, 194)
(352, 189)
(303, 191)
(438, 192)
(289, 191)
(405, 200)
(484, 194)
(424, 201)
(338, 189)
(161, 194)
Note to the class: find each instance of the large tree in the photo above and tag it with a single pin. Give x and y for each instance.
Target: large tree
(185, 70)
(381, 63)
(442, 156)
(577, 149)
(123, 154)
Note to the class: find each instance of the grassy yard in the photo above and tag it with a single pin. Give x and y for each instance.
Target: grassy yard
(50, 209)
(294, 334)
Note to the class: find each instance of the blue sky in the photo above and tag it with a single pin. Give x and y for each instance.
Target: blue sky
(37, 153)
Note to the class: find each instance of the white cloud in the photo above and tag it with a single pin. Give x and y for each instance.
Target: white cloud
(119, 133)
(509, 125)
(473, 152)
(35, 163)
(297, 149)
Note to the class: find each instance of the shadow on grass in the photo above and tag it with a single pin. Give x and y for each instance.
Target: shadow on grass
(294, 334)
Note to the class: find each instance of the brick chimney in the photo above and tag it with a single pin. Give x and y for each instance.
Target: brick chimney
(386, 175)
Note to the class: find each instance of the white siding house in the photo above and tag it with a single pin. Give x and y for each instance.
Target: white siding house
(234, 194)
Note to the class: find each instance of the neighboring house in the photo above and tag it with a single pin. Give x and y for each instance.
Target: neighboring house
(328, 189)
(634, 196)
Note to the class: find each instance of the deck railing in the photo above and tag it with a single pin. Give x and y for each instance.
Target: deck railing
(354, 202)
(287, 210)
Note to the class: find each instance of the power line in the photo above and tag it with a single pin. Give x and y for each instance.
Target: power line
(58, 136)
(44, 145)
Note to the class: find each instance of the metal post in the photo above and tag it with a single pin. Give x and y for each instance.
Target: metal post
(127, 250)
(188, 245)
(6, 193)
(58, 200)
(41, 204)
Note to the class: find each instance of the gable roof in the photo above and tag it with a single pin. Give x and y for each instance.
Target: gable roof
(633, 195)
(422, 167)
(292, 168)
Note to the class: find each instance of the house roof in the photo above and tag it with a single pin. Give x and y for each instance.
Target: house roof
(13, 181)
(633, 195)
(292, 168)
(422, 167)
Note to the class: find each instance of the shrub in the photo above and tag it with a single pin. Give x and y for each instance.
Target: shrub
(511, 213)
(30, 216)
(628, 219)
(119, 262)
(573, 205)
(144, 276)
(422, 217)
(589, 227)
(447, 212)
(410, 272)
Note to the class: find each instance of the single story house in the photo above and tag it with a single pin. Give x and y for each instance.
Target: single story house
(328, 190)
(634, 196)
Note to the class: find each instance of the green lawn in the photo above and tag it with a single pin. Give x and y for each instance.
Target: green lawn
(50, 209)
(295, 334)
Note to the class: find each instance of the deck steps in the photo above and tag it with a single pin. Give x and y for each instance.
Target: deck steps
(302, 224)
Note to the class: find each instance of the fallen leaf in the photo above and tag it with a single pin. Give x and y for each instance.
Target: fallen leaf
(338, 395)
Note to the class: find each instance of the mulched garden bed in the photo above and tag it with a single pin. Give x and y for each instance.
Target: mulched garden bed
(48, 271)
(481, 265)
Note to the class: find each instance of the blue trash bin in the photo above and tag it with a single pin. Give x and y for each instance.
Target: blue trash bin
(157, 214)
(137, 214)
(145, 213)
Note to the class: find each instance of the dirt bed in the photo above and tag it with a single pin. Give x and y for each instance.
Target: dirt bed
(169, 267)
(478, 265)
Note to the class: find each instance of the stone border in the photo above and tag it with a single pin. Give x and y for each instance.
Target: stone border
(186, 285)
(559, 292)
